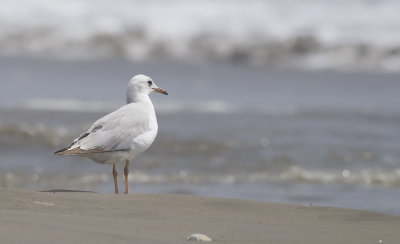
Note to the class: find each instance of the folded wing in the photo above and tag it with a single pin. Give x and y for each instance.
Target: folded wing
(113, 132)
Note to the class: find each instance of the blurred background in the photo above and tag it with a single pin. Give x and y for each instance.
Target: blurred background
(282, 101)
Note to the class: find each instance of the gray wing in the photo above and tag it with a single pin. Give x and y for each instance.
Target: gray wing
(113, 132)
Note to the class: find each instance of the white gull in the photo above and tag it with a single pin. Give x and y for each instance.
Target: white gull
(121, 135)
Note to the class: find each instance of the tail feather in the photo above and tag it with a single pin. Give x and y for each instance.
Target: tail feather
(61, 151)
(78, 151)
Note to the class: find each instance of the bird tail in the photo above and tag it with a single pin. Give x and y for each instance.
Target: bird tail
(62, 151)
(78, 151)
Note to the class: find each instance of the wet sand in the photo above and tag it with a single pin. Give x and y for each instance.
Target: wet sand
(84, 217)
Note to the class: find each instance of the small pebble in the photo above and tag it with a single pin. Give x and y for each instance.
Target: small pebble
(198, 237)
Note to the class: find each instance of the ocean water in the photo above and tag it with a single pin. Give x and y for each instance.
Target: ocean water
(238, 131)
(308, 34)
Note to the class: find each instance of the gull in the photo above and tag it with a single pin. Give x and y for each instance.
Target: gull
(121, 135)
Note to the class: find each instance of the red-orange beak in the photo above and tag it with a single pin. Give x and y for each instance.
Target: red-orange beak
(160, 90)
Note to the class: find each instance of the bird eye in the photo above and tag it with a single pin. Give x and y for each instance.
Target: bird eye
(150, 82)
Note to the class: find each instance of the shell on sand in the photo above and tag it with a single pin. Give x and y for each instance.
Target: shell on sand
(199, 237)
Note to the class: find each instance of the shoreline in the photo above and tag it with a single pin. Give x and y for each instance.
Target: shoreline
(63, 216)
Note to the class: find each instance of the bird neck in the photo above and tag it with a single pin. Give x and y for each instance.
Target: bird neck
(138, 98)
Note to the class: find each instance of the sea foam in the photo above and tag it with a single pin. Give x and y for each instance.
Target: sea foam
(309, 34)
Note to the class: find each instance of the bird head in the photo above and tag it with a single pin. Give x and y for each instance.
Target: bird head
(142, 84)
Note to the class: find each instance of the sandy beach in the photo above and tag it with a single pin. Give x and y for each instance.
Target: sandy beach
(84, 217)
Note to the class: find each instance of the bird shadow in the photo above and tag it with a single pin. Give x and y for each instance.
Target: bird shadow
(66, 190)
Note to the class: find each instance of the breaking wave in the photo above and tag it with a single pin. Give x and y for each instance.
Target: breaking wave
(314, 34)
(205, 106)
(71, 105)
(293, 174)
(37, 133)
(53, 132)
